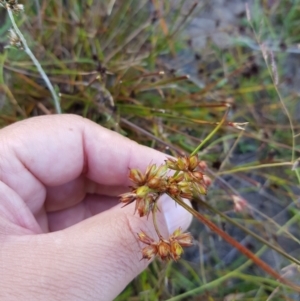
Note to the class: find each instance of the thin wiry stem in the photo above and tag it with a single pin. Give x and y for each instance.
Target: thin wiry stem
(274, 77)
(211, 134)
(154, 210)
(236, 244)
(110, 7)
(249, 232)
(34, 60)
(249, 167)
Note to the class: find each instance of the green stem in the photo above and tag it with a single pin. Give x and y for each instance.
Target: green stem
(246, 168)
(211, 134)
(207, 137)
(35, 61)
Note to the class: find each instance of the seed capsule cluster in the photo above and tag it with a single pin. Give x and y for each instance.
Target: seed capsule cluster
(186, 181)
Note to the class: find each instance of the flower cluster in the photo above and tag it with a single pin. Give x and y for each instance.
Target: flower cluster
(14, 39)
(187, 182)
(179, 178)
(165, 249)
(190, 180)
(148, 188)
(13, 5)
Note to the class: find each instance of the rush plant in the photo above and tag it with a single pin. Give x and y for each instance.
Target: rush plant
(188, 181)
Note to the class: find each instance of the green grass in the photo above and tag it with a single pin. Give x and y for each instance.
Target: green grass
(118, 70)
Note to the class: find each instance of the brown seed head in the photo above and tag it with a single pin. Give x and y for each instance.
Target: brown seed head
(143, 191)
(171, 163)
(136, 177)
(158, 184)
(144, 205)
(151, 171)
(199, 188)
(154, 171)
(186, 189)
(183, 163)
(173, 190)
(184, 239)
(154, 183)
(128, 197)
(163, 250)
(197, 175)
(154, 177)
(193, 163)
(149, 252)
(175, 250)
(180, 164)
(180, 177)
(162, 171)
(143, 237)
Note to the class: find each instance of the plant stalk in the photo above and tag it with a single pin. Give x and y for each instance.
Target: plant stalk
(35, 61)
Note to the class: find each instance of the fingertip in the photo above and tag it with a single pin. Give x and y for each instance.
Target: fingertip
(175, 215)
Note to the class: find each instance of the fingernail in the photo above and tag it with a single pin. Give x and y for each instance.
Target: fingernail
(175, 215)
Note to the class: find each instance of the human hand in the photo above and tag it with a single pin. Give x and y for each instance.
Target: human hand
(63, 233)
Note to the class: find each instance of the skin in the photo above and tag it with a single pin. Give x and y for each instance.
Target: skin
(63, 233)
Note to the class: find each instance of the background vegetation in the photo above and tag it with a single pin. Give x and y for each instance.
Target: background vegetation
(133, 66)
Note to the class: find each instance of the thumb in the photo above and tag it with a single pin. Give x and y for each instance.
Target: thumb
(93, 260)
(113, 253)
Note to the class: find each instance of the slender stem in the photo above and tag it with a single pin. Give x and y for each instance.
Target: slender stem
(211, 134)
(110, 7)
(236, 244)
(195, 151)
(34, 60)
(247, 168)
(154, 210)
(256, 236)
(285, 109)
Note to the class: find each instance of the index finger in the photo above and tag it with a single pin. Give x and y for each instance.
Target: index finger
(58, 148)
(54, 150)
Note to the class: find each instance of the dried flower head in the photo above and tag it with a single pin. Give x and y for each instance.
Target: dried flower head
(147, 188)
(145, 199)
(14, 39)
(240, 204)
(187, 182)
(183, 163)
(190, 180)
(184, 239)
(13, 5)
(154, 177)
(185, 189)
(165, 249)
